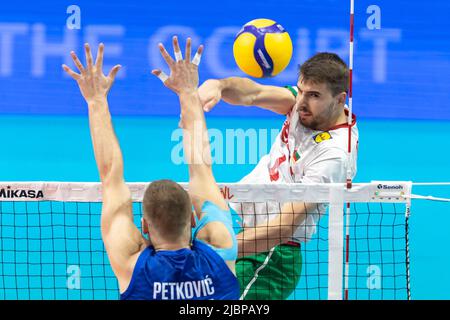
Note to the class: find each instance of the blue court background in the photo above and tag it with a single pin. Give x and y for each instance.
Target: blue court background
(401, 95)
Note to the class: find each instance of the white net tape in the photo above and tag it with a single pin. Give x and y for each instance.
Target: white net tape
(392, 191)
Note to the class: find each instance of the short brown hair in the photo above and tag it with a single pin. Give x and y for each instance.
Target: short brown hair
(328, 68)
(167, 207)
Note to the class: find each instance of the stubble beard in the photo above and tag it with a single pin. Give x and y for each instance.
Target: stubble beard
(321, 121)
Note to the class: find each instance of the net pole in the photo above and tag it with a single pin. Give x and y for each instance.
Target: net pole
(408, 278)
(349, 173)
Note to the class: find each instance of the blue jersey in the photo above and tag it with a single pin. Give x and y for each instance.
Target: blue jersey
(198, 273)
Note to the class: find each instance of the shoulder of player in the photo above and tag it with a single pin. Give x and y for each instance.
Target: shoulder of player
(331, 139)
(338, 139)
(330, 150)
(290, 91)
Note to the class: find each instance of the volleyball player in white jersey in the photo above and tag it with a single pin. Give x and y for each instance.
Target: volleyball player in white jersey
(311, 147)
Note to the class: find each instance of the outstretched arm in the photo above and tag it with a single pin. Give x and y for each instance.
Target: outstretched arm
(121, 237)
(183, 81)
(246, 92)
(94, 87)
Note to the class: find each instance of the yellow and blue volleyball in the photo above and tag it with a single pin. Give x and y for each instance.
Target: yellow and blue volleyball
(262, 48)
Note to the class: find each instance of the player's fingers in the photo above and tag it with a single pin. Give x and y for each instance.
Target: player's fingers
(87, 51)
(210, 104)
(198, 56)
(99, 60)
(160, 74)
(176, 49)
(71, 73)
(112, 74)
(77, 61)
(188, 49)
(166, 55)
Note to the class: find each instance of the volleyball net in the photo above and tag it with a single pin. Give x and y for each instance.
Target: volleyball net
(51, 247)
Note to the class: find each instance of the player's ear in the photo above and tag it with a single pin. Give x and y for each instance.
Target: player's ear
(342, 97)
(193, 221)
(144, 226)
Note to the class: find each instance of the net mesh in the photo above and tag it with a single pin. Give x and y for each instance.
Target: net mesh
(53, 250)
(378, 256)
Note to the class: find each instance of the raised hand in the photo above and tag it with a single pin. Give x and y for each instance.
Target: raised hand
(94, 85)
(183, 72)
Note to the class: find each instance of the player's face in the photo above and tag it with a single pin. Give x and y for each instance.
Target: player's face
(315, 104)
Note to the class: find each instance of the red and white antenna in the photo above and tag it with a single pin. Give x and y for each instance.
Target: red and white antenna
(349, 155)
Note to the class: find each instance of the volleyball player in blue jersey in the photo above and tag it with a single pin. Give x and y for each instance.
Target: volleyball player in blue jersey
(176, 262)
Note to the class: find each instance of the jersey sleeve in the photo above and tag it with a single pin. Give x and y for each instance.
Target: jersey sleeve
(293, 90)
(229, 218)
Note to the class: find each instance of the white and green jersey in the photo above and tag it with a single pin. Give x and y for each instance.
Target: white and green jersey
(302, 155)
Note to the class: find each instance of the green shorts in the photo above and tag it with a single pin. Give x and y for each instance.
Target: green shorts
(274, 279)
